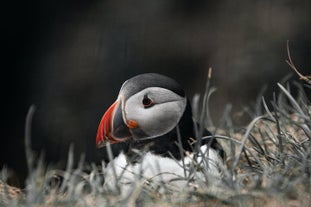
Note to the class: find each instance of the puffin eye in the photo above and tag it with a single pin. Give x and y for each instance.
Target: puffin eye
(147, 102)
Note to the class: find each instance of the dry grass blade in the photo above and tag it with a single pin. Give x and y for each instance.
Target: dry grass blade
(246, 135)
(181, 150)
(28, 150)
(293, 101)
(68, 169)
(267, 108)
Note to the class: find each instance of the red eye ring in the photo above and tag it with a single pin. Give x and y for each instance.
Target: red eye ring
(147, 102)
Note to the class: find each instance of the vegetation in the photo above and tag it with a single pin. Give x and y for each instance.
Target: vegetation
(268, 164)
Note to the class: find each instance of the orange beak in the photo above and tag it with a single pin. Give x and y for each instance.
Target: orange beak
(112, 128)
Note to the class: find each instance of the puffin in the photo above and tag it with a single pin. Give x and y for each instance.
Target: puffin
(153, 137)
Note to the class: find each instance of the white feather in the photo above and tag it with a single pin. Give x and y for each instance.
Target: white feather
(155, 170)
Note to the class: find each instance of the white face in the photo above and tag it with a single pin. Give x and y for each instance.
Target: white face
(155, 110)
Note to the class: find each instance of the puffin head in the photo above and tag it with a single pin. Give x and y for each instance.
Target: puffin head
(148, 106)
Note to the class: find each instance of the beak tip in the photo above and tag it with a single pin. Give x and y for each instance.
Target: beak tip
(99, 141)
(100, 145)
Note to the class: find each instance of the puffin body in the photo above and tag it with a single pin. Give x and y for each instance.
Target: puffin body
(152, 123)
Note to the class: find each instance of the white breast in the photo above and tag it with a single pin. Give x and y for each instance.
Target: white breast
(155, 171)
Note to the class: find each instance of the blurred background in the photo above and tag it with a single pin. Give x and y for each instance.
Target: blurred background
(69, 58)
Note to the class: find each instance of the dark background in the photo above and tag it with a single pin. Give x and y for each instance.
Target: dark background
(69, 58)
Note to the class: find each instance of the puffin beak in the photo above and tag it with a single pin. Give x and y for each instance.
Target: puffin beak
(112, 128)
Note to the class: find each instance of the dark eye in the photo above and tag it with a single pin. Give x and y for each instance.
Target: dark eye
(147, 102)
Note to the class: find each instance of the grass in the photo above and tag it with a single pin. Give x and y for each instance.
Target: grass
(268, 164)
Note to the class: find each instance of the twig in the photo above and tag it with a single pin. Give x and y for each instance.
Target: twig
(307, 79)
